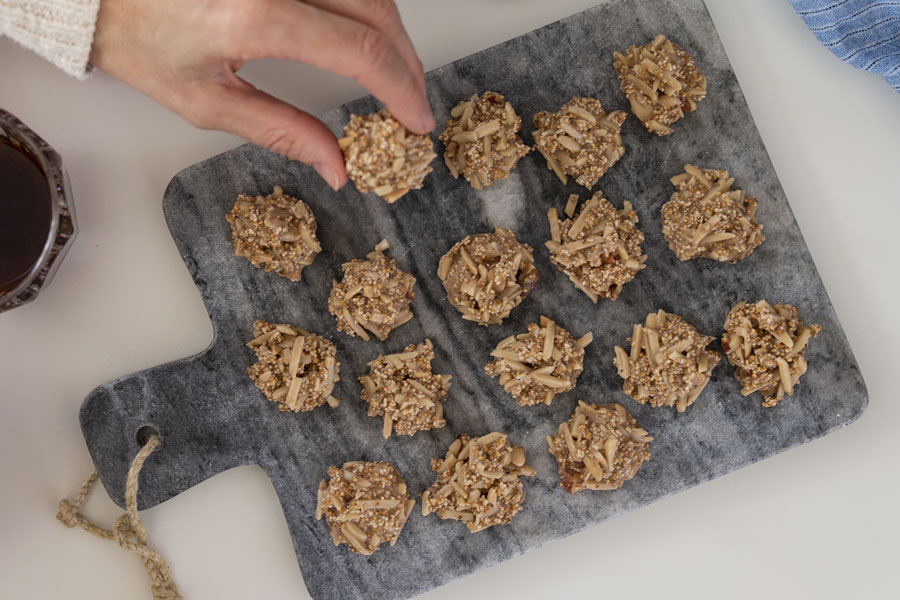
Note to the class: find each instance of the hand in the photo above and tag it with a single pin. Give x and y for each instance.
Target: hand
(185, 54)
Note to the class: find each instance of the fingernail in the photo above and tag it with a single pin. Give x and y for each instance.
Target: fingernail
(328, 174)
(427, 120)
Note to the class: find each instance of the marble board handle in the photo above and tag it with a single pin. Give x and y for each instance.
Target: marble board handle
(174, 400)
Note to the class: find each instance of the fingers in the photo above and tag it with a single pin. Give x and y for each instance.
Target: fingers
(237, 107)
(383, 16)
(335, 43)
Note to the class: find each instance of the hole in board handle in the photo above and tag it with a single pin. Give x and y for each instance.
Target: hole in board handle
(145, 433)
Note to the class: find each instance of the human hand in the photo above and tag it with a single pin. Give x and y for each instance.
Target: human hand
(185, 54)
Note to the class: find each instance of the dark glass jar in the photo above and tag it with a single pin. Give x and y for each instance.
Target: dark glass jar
(37, 219)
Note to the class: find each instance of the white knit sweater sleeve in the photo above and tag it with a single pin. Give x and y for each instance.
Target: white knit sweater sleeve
(61, 31)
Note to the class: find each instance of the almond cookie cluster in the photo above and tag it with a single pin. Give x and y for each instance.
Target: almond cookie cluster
(668, 364)
(767, 347)
(580, 140)
(600, 249)
(294, 368)
(373, 296)
(705, 218)
(365, 504)
(383, 157)
(536, 366)
(661, 81)
(481, 140)
(487, 275)
(478, 482)
(599, 448)
(402, 389)
(275, 232)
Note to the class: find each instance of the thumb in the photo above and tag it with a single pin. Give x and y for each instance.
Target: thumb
(238, 107)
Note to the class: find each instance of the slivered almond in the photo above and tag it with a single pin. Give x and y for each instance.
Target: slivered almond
(549, 338)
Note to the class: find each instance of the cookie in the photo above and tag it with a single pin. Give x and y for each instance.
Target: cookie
(381, 156)
(373, 296)
(599, 448)
(275, 232)
(661, 81)
(668, 363)
(294, 368)
(402, 390)
(481, 140)
(767, 347)
(599, 249)
(478, 482)
(487, 275)
(365, 504)
(536, 366)
(580, 141)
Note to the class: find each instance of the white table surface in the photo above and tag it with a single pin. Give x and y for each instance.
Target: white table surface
(819, 521)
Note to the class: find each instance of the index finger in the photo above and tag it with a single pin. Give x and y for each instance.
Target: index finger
(381, 15)
(305, 33)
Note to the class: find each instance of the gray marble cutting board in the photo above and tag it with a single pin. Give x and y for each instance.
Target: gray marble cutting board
(211, 418)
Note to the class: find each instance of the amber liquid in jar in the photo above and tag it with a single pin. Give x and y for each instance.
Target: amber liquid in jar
(25, 214)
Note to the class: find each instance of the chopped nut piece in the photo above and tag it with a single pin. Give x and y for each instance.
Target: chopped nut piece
(275, 232)
(705, 218)
(600, 249)
(294, 368)
(480, 140)
(487, 275)
(767, 348)
(478, 482)
(661, 81)
(536, 366)
(580, 140)
(365, 504)
(374, 295)
(402, 389)
(668, 364)
(599, 448)
(384, 158)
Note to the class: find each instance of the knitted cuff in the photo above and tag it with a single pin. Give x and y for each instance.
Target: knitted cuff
(61, 31)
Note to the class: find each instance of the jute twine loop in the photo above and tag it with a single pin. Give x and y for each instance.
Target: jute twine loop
(128, 531)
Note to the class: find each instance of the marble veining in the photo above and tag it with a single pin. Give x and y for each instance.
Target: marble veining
(211, 417)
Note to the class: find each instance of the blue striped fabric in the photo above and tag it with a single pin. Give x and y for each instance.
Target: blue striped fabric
(864, 33)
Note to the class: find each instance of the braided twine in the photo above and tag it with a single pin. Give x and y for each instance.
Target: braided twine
(128, 531)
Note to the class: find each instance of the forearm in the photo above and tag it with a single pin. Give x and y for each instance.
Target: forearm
(61, 31)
